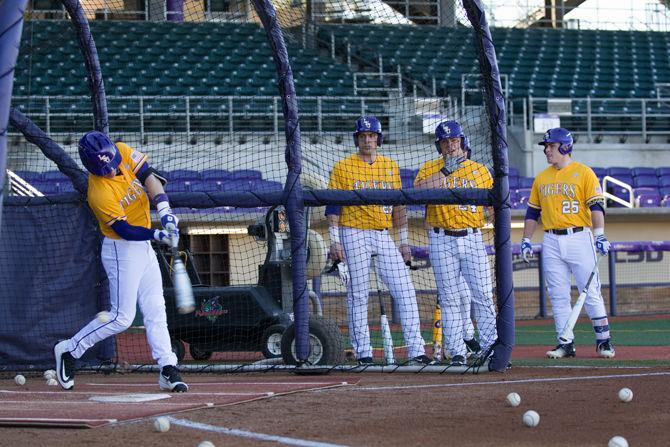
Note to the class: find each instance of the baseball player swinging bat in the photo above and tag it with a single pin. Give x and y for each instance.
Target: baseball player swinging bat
(577, 309)
(182, 284)
(387, 341)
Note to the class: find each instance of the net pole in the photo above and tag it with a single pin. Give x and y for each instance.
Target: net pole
(87, 46)
(11, 26)
(495, 104)
(293, 192)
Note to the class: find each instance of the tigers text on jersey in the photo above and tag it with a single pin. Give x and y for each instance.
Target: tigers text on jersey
(470, 174)
(565, 195)
(354, 173)
(121, 197)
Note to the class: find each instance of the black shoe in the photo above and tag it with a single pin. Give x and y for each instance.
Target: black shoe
(472, 346)
(366, 361)
(170, 379)
(64, 365)
(562, 350)
(457, 360)
(605, 349)
(421, 360)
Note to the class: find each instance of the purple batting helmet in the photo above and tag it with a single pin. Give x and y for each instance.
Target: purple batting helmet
(559, 135)
(451, 129)
(368, 123)
(98, 154)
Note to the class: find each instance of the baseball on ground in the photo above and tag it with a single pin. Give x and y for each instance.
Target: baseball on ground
(618, 441)
(161, 424)
(19, 379)
(205, 444)
(49, 374)
(52, 382)
(102, 317)
(625, 395)
(513, 399)
(531, 418)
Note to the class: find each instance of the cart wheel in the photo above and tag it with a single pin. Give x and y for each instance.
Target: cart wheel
(325, 342)
(178, 349)
(199, 354)
(271, 341)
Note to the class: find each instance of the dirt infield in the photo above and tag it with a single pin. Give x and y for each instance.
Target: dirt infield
(578, 406)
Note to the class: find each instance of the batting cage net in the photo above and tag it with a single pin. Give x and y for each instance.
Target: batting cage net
(386, 126)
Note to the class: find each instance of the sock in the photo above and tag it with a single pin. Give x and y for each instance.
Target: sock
(602, 328)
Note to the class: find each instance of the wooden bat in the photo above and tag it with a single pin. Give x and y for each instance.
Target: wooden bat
(183, 290)
(387, 340)
(437, 333)
(577, 309)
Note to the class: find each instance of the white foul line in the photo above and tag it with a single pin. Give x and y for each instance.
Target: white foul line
(249, 434)
(506, 382)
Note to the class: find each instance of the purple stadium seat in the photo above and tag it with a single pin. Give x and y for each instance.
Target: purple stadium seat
(29, 176)
(637, 171)
(522, 196)
(46, 188)
(600, 172)
(215, 174)
(663, 171)
(236, 185)
(65, 186)
(513, 172)
(266, 185)
(178, 186)
(513, 182)
(644, 181)
(182, 175)
(664, 180)
(622, 178)
(525, 182)
(664, 190)
(411, 173)
(207, 186)
(54, 176)
(618, 171)
(246, 174)
(648, 200)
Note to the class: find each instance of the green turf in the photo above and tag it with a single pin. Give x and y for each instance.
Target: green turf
(624, 333)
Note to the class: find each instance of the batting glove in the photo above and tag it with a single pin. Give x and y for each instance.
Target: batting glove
(164, 237)
(602, 244)
(343, 273)
(451, 164)
(526, 250)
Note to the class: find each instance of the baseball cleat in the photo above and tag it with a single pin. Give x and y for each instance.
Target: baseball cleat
(64, 365)
(170, 379)
(472, 346)
(457, 360)
(421, 360)
(605, 349)
(562, 350)
(366, 361)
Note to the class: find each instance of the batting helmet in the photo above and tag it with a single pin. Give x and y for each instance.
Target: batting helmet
(451, 129)
(98, 154)
(559, 135)
(368, 123)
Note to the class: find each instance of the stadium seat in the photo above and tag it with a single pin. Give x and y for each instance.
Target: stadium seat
(181, 186)
(182, 175)
(617, 172)
(54, 176)
(664, 180)
(525, 182)
(246, 174)
(29, 176)
(642, 181)
(600, 172)
(215, 174)
(638, 171)
(266, 185)
(663, 171)
(648, 201)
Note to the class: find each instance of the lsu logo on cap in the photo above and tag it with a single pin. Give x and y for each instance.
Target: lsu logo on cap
(104, 158)
(446, 129)
(367, 123)
(547, 135)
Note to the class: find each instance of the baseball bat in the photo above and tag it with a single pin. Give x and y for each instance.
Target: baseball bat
(387, 340)
(437, 333)
(577, 309)
(183, 290)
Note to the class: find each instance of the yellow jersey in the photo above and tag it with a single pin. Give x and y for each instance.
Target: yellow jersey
(565, 195)
(121, 197)
(353, 173)
(469, 174)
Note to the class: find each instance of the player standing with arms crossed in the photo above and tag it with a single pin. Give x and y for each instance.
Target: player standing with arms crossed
(121, 205)
(568, 196)
(359, 232)
(456, 246)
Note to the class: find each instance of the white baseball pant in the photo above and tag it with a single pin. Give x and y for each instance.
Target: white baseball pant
(134, 278)
(451, 257)
(359, 245)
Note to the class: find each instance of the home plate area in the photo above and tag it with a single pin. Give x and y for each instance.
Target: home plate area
(99, 400)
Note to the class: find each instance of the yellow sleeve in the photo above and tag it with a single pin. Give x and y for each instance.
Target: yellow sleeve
(105, 207)
(422, 174)
(337, 180)
(593, 193)
(534, 199)
(132, 156)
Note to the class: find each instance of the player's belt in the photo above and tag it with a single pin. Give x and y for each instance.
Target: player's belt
(455, 233)
(564, 231)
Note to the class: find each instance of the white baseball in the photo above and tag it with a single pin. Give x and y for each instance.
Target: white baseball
(49, 374)
(618, 441)
(625, 395)
(52, 382)
(19, 379)
(205, 444)
(531, 418)
(161, 424)
(513, 399)
(102, 317)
